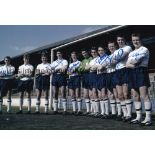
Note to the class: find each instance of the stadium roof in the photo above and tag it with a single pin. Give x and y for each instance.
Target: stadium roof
(74, 39)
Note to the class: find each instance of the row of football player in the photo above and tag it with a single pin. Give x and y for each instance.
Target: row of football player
(124, 70)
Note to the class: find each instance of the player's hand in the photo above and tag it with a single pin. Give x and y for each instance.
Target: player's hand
(100, 67)
(129, 65)
(63, 70)
(87, 67)
(37, 71)
(93, 68)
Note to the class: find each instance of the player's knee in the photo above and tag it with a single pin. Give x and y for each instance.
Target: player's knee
(86, 96)
(104, 96)
(120, 96)
(145, 98)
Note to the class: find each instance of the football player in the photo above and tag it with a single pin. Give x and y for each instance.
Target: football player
(112, 93)
(85, 79)
(103, 62)
(59, 82)
(7, 76)
(74, 83)
(138, 61)
(42, 73)
(122, 78)
(25, 83)
(92, 68)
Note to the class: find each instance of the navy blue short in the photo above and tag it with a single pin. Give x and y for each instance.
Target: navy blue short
(6, 85)
(59, 80)
(101, 81)
(85, 80)
(93, 78)
(42, 82)
(121, 77)
(110, 81)
(25, 85)
(139, 77)
(74, 82)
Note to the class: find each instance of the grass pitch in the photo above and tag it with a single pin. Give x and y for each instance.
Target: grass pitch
(61, 122)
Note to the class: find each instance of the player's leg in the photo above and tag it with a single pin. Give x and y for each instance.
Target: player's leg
(29, 102)
(55, 91)
(63, 98)
(86, 94)
(89, 104)
(102, 106)
(118, 104)
(122, 101)
(95, 103)
(112, 103)
(1, 103)
(147, 104)
(105, 102)
(46, 94)
(39, 92)
(138, 106)
(78, 99)
(73, 100)
(21, 98)
(128, 102)
(9, 101)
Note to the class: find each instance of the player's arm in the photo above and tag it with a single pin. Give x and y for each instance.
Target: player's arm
(87, 66)
(77, 67)
(65, 66)
(37, 71)
(52, 67)
(104, 64)
(138, 58)
(129, 65)
(30, 72)
(1, 73)
(121, 54)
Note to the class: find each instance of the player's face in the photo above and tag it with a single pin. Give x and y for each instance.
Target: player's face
(44, 59)
(136, 42)
(74, 57)
(84, 54)
(112, 47)
(7, 61)
(59, 55)
(120, 41)
(26, 60)
(100, 51)
(94, 53)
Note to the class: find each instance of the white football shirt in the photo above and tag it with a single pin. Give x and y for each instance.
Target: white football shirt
(44, 68)
(140, 57)
(121, 56)
(59, 64)
(6, 72)
(74, 66)
(25, 70)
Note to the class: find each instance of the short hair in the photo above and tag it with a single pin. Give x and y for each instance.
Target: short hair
(94, 48)
(136, 35)
(121, 36)
(74, 53)
(101, 47)
(8, 57)
(59, 52)
(26, 56)
(111, 42)
(43, 54)
(84, 50)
